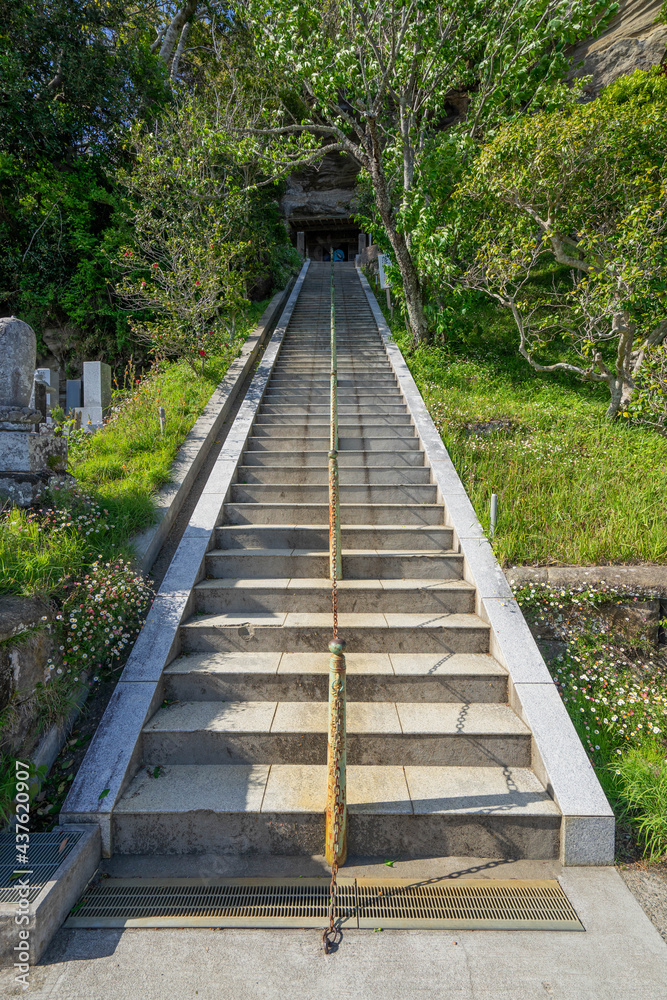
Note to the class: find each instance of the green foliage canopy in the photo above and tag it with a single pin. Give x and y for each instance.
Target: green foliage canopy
(376, 80)
(562, 218)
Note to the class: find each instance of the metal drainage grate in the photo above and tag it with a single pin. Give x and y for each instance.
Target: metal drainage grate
(231, 902)
(392, 903)
(482, 904)
(45, 853)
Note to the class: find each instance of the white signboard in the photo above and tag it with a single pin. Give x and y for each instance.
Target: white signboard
(383, 260)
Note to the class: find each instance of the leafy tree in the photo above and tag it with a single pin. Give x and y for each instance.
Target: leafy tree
(563, 220)
(201, 242)
(374, 79)
(73, 75)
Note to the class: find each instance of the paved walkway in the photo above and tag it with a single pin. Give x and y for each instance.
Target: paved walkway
(619, 957)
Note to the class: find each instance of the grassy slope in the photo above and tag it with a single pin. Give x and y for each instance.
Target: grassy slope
(572, 488)
(76, 550)
(118, 470)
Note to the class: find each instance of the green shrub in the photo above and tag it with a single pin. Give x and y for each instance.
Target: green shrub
(642, 782)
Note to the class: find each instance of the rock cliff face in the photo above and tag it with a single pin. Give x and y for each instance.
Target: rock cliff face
(324, 191)
(632, 40)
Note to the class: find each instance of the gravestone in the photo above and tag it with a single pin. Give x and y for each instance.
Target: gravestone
(29, 452)
(96, 394)
(39, 398)
(51, 380)
(74, 395)
(363, 242)
(301, 243)
(18, 350)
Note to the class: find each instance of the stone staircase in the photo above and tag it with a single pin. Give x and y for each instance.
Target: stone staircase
(234, 761)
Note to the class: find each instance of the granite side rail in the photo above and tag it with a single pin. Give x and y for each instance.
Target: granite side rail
(115, 750)
(192, 453)
(559, 759)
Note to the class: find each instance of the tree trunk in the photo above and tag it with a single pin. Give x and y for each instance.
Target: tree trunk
(621, 390)
(173, 31)
(179, 52)
(414, 297)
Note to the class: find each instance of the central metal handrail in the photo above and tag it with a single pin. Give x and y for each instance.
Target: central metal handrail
(335, 559)
(336, 814)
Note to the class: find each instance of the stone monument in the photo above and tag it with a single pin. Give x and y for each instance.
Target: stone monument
(30, 452)
(96, 394)
(51, 380)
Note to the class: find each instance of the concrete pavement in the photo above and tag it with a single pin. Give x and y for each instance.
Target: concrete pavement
(621, 956)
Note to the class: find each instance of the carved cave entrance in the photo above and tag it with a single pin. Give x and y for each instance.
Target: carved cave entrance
(320, 234)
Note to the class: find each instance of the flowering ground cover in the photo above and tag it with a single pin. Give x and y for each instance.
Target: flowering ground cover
(614, 684)
(73, 549)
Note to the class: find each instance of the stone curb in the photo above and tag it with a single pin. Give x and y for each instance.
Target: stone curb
(650, 579)
(55, 900)
(192, 453)
(114, 752)
(559, 759)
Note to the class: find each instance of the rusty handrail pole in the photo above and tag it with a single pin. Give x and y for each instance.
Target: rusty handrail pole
(336, 822)
(336, 814)
(333, 436)
(335, 555)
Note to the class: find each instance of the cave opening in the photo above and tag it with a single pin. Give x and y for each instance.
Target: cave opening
(315, 237)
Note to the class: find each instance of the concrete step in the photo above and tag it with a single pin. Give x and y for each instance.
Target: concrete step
(296, 632)
(346, 459)
(321, 410)
(311, 537)
(348, 475)
(383, 441)
(275, 493)
(280, 732)
(320, 364)
(417, 515)
(293, 381)
(302, 424)
(374, 426)
(301, 594)
(397, 569)
(277, 809)
(412, 677)
(321, 396)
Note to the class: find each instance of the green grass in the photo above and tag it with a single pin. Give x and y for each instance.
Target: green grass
(74, 548)
(117, 472)
(129, 459)
(572, 487)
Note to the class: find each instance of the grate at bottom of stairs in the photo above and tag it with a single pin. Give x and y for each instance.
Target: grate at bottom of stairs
(45, 852)
(432, 904)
